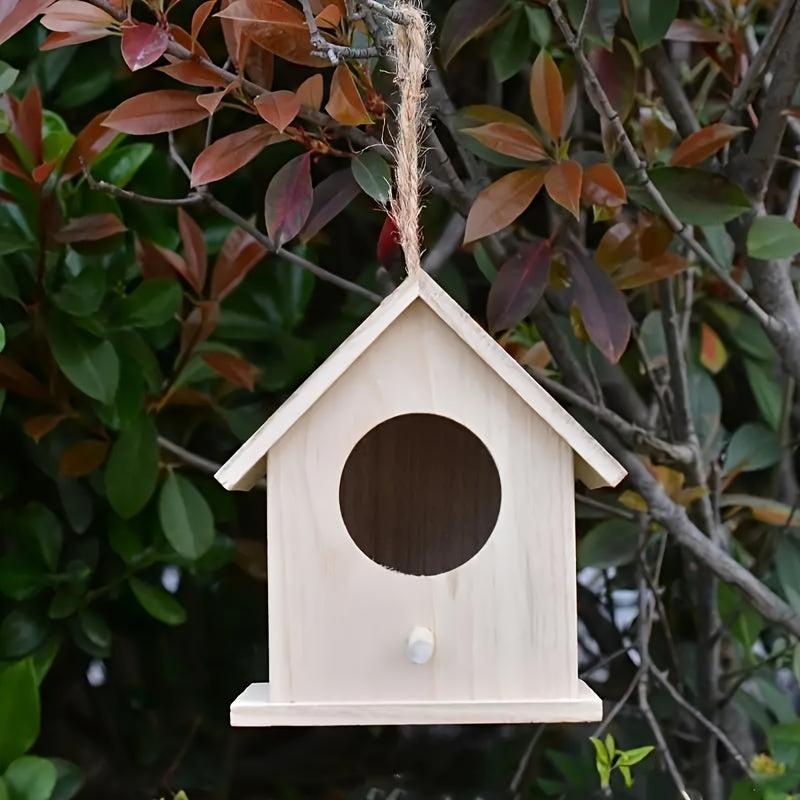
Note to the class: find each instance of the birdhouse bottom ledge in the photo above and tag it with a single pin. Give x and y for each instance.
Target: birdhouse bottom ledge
(253, 708)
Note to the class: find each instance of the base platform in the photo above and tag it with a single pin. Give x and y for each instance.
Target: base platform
(253, 708)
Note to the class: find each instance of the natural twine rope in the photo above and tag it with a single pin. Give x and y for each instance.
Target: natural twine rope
(411, 53)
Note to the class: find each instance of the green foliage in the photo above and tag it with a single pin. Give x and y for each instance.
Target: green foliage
(608, 759)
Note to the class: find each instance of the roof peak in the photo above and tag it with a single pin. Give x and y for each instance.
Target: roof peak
(594, 465)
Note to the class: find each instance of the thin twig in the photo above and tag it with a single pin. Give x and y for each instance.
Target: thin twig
(703, 720)
(204, 197)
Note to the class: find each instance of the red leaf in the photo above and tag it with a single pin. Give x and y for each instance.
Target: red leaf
(90, 142)
(158, 262)
(288, 201)
(712, 351)
(278, 108)
(277, 27)
(602, 305)
(635, 273)
(226, 155)
(56, 40)
(42, 172)
(500, 203)
(616, 72)
(90, 228)
(193, 73)
(76, 16)
(519, 285)
(19, 381)
(563, 182)
(26, 122)
(194, 251)
(389, 250)
(201, 14)
(156, 112)
(199, 325)
(309, 92)
(235, 370)
(702, 144)
(239, 254)
(345, 104)
(465, 20)
(602, 187)
(687, 30)
(9, 161)
(143, 44)
(38, 427)
(18, 15)
(83, 458)
(331, 196)
(547, 94)
(508, 139)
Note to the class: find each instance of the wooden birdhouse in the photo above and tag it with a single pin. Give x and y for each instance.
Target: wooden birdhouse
(421, 531)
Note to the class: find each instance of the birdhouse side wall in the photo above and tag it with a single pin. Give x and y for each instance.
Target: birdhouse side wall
(504, 623)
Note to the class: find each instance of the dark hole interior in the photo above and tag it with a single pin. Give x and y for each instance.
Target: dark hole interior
(420, 494)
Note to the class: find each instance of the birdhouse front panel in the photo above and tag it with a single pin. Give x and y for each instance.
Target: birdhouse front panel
(421, 534)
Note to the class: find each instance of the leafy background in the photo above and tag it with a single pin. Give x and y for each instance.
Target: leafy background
(194, 214)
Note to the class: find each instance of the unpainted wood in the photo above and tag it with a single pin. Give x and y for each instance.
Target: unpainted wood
(256, 708)
(420, 493)
(593, 464)
(504, 622)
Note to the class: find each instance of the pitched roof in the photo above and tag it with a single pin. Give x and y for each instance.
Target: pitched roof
(593, 464)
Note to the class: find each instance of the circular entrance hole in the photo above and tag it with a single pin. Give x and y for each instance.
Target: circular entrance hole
(420, 494)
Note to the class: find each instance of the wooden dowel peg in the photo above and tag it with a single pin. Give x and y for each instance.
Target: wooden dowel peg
(420, 645)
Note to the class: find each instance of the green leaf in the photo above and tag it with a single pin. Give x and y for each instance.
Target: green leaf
(625, 771)
(773, 237)
(19, 710)
(511, 45)
(69, 780)
(121, 165)
(30, 778)
(630, 757)
(372, 175)
(787, 567)
(2, 338)
(540, 27)
(752, 447)
(7, 76)
(185, 517)
(81, 294)
(38, 532)
(610, 544)
(650, 20)
(95, 628)
(766, 391)
(601, 751)
(89, 363)
(132, 468)
(464, 21)
(158, 603)
(151, 304)
(705, 404)
(21, 632)
(3, 789)
(696, 197)
(124, 541)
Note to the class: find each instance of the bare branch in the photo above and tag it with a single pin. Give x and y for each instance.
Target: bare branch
(748, 87)
(663, 72)
(703, 720)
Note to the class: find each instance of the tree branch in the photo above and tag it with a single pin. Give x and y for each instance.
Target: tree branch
(603, 106)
